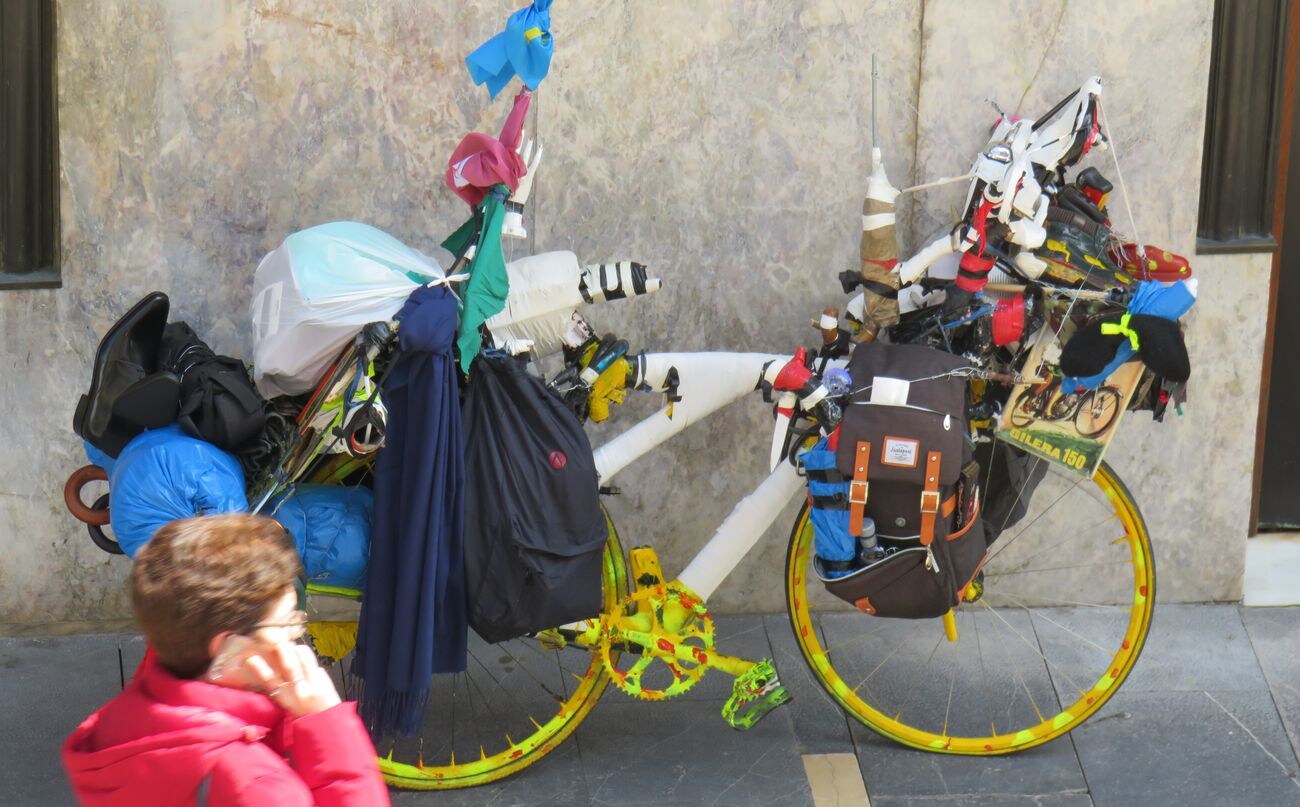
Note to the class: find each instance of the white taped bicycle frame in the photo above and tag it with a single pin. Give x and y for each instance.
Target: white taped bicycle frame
(706, 382)
(545, 293)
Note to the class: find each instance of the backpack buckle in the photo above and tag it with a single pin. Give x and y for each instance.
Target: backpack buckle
(929, 501)
(858, 492)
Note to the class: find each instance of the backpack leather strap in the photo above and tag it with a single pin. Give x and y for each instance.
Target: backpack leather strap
(930, 496)
(858, 487)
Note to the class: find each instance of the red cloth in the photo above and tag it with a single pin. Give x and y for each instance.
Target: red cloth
(156, 741)
(481, 161)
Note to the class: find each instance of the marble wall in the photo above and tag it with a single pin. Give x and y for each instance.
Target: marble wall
(725, 144)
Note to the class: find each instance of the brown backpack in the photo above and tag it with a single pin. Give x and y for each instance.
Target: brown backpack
(903, 442)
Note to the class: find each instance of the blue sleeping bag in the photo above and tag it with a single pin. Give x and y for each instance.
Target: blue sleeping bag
(330, 525)
(163, 475)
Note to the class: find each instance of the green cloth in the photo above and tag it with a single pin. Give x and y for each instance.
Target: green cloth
(485, 292)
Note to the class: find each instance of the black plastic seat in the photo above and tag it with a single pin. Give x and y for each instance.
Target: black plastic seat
(129, 392)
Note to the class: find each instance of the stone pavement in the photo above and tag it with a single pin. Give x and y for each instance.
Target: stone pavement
(1210, 716)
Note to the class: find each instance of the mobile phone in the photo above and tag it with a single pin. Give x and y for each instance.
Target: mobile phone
(230, 666)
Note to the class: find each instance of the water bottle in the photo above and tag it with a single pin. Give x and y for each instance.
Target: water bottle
(869, 549)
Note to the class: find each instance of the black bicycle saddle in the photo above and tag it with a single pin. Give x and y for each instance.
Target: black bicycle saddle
(128, 391)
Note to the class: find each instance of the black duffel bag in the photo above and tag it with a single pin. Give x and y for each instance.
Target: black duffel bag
(218, 402)
(534, 530)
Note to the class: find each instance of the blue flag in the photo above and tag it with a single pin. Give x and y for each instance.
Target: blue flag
(523, 48)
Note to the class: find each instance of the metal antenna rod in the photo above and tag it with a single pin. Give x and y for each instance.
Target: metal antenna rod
(874, 142)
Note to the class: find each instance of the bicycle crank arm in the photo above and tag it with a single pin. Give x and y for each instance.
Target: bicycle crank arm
(753, 696)
(663, 647)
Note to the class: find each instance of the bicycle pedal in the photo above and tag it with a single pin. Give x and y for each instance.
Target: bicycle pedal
(753, 696)
(551, 639)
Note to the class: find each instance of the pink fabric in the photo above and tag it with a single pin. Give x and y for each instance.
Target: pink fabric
(513, 130)
(481, 161)
(157, 740)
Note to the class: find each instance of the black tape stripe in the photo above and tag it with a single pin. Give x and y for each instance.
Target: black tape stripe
(888, 292)
(615, 293)
(839, 501)
(838, 565)
(828, 475)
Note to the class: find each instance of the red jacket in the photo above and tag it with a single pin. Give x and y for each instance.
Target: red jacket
(158, 740)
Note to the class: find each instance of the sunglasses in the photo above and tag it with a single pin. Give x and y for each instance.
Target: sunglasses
(294, 624)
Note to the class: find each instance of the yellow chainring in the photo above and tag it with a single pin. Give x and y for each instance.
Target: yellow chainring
(637, 633)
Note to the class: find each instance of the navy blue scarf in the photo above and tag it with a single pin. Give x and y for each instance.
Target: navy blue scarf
(413, 614)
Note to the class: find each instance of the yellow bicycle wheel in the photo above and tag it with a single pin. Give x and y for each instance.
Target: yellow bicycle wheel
(516, 701)
(1066, 603)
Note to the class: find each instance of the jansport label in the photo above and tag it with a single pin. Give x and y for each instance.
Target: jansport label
(900, 452)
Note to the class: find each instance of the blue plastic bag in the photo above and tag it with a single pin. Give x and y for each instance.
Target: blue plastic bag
(829, 510)
(330, 525)
(163, 475)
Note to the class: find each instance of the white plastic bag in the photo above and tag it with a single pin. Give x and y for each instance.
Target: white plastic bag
(313, 293)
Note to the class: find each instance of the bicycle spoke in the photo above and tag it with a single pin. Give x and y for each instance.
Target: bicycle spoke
(1032, 645)
(1013, 666)
(529, 673)
(1059, 568)
(1071, 539)
(1002, 545)
(882, 663)
(1051, 621)
(846, 643)
(1072, 603)
(947, 710)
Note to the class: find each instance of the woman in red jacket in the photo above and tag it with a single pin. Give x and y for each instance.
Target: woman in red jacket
(226, 708)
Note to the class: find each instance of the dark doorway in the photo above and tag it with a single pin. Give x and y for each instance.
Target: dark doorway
(28, 146)
(1279, 469)
(1277, 448)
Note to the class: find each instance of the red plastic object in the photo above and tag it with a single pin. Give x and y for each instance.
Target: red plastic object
(1095, 196)
(1008, 320)
(1161, 264)
(794, 374)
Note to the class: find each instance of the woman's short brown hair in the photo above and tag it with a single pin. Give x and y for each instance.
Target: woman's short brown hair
(198, 577)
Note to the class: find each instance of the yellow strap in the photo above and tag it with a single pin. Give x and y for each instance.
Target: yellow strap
(1120, 329)
(532, 33)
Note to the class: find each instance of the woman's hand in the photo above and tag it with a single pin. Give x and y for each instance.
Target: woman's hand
(290, 675)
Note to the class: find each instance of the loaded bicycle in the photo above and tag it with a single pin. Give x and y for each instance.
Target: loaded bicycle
(1045, 634)
(1061, 589)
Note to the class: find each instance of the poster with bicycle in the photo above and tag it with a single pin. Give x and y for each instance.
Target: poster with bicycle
(1068, 427)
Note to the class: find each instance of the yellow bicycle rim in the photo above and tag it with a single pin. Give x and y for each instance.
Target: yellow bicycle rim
(1077, 703)
(512, 753)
